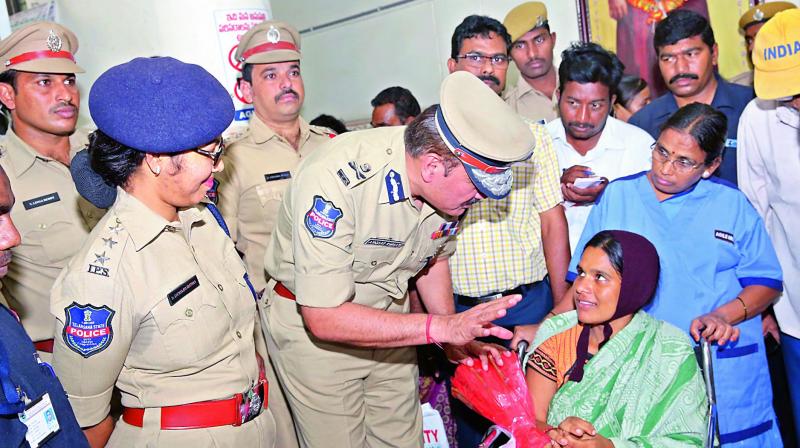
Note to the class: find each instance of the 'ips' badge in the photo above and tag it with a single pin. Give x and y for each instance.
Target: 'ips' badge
(87, 328)
(321, 218)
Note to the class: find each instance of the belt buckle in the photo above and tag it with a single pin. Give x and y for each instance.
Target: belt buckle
(249, 403)
(490, 297)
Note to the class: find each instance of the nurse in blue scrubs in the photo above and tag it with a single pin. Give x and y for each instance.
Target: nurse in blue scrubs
(719, 270)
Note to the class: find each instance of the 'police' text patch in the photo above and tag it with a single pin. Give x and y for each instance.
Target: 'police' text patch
(182, 290)
(724, 236)
(41, 200)
(87, 328)
(321, 218)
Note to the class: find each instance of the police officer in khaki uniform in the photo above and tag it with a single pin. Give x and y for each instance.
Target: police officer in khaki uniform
(367, 212)
(38, 88)
(260, 165)
(157, 302)
(532, 43)
(750, 23)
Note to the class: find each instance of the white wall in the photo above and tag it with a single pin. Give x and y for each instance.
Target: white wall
(346, 65)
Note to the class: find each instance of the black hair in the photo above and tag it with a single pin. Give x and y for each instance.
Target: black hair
(330, 122)
(682, 24)
(705, 124)
(113, 161)
(405, 105)
(421, 137)
(588, 62)
(613, 249)
(9, 77)
(629, 86)
(476, 25)
(247, 73)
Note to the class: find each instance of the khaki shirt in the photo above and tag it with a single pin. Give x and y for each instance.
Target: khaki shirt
(258, 169)
(53, 221)
(531, 103)
(180, 317)
(348, 229)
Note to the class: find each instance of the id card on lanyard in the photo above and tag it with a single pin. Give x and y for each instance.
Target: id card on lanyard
(40, 418)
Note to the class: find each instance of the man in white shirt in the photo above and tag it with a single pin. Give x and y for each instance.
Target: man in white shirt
(768, 163)
(591, 146)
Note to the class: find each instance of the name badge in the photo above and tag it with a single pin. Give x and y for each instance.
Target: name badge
(269, 177)
(41, 200)
(40, 418)
(183, 290)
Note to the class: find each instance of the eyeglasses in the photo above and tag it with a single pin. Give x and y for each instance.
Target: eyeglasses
(476, 59)
(216, 154)
(681, 164)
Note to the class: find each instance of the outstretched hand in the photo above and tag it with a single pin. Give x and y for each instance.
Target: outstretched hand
(476, 322)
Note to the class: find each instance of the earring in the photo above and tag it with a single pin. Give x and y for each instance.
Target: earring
(157, 170)
(706, 175)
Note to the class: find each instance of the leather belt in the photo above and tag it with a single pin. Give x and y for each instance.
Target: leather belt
(44, 346)
(283, 291)
(474, 301)
(234, 411)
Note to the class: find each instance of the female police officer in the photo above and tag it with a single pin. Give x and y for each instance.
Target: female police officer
(157, 302)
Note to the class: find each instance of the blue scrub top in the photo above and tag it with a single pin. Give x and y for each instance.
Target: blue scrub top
(711, 243)
(20, 371)
(730, 99)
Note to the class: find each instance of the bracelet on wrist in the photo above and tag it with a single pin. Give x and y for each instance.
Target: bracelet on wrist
(744, 305)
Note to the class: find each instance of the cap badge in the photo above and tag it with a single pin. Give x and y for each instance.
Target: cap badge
(53, 42)
(539, 21)
(273, 35)
(758, 14)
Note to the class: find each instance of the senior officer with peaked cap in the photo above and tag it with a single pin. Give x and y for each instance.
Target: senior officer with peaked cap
(157, 302)
(38, 87)
(366, 213)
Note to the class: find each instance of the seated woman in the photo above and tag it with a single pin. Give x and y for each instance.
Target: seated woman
(608, 374)
(632, 95)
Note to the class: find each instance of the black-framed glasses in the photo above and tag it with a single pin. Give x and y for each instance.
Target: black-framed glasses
(681, 164)
(476, 59)
(216, 154)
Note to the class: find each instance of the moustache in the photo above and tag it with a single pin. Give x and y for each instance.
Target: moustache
(535, 60)
(577, 124)
(63, 105)
(284, 93)
(5, 257)
(683, 76)
(489, 78)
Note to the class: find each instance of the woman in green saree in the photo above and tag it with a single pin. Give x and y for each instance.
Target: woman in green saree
(608, 374)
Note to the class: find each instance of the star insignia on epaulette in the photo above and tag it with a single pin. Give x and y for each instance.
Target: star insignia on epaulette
(101, 258)
(109, 242)
(116, 228)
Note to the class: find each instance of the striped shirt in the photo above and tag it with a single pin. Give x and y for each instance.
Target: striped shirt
(500, 244)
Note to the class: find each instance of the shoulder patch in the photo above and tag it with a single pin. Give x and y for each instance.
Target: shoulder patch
(394, 187)
(87, 328)
(321, 218)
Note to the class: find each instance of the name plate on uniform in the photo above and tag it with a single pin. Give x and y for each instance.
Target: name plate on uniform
(269, 177)
(41, 200)
(183, 290)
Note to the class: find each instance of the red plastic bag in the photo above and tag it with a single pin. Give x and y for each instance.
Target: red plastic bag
(501, 395)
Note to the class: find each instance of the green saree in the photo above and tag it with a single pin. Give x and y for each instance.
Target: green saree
(642, 389)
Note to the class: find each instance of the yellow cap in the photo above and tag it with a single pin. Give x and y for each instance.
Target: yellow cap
(524, 18)
(483, 132)
(776, 56)
(268, 42)
(763, 12)
(41, 47)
